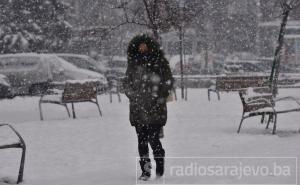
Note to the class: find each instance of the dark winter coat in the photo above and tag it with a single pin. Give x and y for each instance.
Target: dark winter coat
(148, 82)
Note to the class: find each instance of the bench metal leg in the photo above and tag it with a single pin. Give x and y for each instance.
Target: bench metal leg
(175, 93)
(66, 106)
(40, 109)
(21, 145)
(97, 103)
(208, 94)
(119, 97)
(240, 126)
(110, 97)
(262, 119)
(73, 111)
(186, 94)
(274, 126)
(22, 164)
(218, 93)
(269, 120)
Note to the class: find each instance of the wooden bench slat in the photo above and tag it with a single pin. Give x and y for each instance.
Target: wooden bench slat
(79, 92)
(237, 83)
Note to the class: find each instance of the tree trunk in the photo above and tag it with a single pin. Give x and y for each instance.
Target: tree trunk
(181, 61)
(156, 35)
(277, 57)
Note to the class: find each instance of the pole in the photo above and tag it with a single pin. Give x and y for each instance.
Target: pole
(297, 49)
(206, 58)
(181, 62)
(185, 80)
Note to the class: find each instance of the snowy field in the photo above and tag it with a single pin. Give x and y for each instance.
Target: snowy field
(93, 150)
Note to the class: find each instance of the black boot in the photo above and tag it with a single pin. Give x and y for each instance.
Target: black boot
(160, 166)
(146, 170)
(159, 157)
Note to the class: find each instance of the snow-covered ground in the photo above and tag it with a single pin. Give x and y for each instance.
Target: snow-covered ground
(102, 150)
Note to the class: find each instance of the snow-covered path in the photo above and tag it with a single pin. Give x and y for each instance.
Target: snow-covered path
(94, 150)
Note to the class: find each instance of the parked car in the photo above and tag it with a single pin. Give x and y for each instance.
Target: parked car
(83, 61)
(4, 87)
(29, 73)
(116, 67)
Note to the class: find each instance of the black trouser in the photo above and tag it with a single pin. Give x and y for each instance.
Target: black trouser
(149, 134)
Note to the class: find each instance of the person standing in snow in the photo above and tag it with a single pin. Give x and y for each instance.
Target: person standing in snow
(147, 84)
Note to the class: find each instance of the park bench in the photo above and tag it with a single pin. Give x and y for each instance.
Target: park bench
(114, 87)
(62, 93)
(262, 104)
(236, 83)
(19, 144)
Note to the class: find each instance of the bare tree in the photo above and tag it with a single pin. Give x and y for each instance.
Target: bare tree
(158, 16)
(287, 6)
(144, 13)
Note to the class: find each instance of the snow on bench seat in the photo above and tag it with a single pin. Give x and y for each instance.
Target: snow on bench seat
(281, 107)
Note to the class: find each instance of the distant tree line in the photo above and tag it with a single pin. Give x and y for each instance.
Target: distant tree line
(33, 26)
(45, 25)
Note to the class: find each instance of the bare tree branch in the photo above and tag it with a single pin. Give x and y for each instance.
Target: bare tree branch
(295, 3)
(148, 11)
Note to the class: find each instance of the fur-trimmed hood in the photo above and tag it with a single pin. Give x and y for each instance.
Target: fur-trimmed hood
(135, 57)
